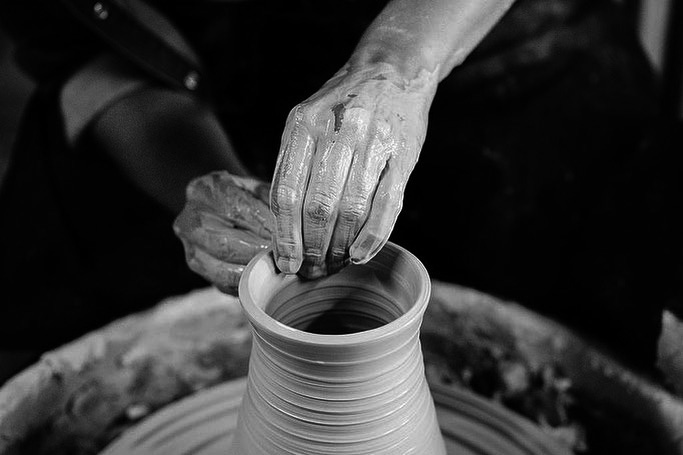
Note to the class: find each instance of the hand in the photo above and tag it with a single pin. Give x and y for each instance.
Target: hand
(225, 223)
(162, 139)
(345, 159)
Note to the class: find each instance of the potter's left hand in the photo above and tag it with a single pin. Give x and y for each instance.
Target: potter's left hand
(225, 223)
(345, 159)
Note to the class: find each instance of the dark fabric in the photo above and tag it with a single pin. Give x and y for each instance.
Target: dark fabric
(264, 56)
(80, 245)
(49, 43)
(547, 176)
(138, 43)
(557, 184)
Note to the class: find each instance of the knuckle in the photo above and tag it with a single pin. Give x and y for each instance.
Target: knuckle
(283, 199)
(302, 112)
(383, 129)
(314, 255)
(356, 126)
(299, 115)
(296, 113)
(319, 210)
(351, 214)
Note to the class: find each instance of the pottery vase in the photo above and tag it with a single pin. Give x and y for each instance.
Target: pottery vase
(336, 365)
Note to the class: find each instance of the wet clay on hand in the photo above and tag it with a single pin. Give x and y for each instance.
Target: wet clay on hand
(225, 223)
(345, 159)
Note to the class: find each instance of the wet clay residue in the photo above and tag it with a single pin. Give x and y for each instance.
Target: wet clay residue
(487, 358)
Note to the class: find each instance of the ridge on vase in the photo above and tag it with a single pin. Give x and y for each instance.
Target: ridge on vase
(336, 365)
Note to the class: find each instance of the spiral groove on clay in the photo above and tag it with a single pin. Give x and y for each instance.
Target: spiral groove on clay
(336, 365)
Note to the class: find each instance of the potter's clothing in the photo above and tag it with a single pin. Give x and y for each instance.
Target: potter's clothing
(82, 245)
(543, 147)
(272, 53)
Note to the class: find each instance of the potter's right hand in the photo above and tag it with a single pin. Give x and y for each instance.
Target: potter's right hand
(348, 150)
(225, 223)
(346, 156)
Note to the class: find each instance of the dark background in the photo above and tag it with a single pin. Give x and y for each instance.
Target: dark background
(661, 39)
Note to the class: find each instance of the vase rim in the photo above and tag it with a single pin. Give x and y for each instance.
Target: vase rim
(262, 320)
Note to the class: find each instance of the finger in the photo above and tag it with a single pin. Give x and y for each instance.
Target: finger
(329, 172)
(386, 205)
(220, 194)
(224, 275)
(218, 239)
(257, 187)
(195, 216)
(237, 204)
(287, 192)
(231, 245)
(328, 184)
(354, 206)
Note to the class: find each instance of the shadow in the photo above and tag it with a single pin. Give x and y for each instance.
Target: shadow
(17, 87)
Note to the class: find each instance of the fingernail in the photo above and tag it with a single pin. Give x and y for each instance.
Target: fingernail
(359, 260)
(360, 254)
(287, 265)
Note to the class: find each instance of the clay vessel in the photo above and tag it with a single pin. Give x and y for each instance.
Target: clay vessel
(336, 365)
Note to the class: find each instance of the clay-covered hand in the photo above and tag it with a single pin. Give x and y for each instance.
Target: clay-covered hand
(226, 222)
(345, 159)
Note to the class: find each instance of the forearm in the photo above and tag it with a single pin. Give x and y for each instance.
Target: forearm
(162, 139)
(159, 137)
(427, 35)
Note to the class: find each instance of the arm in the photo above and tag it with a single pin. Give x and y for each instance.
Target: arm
(434, 35)
(162, 139)
(348, 151)
(173, 148)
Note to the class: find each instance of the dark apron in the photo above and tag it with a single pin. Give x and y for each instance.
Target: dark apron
(80, 245)
(546, 177)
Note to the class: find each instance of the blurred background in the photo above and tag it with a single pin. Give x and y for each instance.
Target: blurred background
(14, 91)
(660, 25)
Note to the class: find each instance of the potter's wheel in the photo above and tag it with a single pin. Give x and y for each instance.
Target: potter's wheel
(203, 424)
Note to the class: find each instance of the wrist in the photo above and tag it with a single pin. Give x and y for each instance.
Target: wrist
(388, 76)
(433, 36)
(408, 58)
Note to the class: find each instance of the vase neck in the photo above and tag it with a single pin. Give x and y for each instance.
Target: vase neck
(377, 402)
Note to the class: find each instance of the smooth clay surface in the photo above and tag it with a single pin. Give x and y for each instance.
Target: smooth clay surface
(204, 424)
(336, 365)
